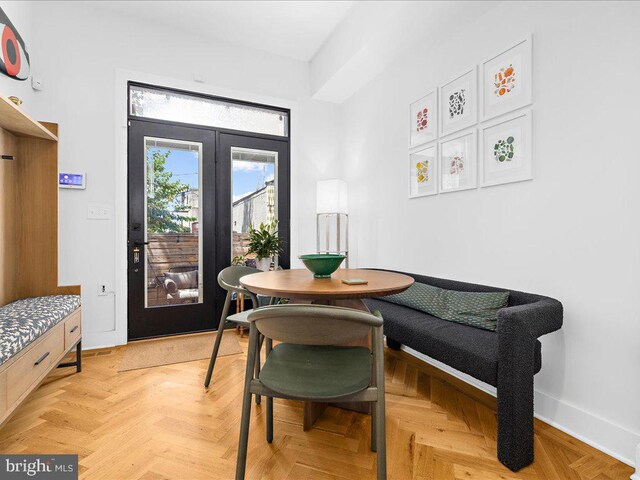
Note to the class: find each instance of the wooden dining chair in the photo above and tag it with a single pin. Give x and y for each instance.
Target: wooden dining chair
(229, 279)
(312, 363)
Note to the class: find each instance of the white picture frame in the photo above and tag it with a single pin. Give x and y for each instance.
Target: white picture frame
(458, 162)
(423, 187)
(458, 101)
(506, 149)
(506, 80)
(423, 126)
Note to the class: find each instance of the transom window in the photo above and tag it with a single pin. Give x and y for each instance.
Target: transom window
(159, 104)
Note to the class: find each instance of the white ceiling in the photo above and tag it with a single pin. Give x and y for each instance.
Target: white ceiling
(294, 29)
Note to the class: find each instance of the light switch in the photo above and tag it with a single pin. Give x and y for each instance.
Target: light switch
(99, 212)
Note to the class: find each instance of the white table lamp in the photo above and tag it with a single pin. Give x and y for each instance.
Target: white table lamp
(332, 218)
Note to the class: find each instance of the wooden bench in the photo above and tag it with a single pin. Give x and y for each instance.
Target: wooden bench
(35, 335)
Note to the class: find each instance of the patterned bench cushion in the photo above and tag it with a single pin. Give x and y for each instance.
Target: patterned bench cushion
(23, 321)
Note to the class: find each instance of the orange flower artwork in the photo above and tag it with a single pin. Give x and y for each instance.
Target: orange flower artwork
(504, 80)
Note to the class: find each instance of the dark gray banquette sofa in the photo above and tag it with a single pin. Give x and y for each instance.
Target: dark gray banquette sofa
(507, 358)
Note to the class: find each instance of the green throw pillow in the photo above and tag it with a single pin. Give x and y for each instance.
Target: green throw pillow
(476, 309)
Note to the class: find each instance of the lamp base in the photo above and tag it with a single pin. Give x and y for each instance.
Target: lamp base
(333, 234)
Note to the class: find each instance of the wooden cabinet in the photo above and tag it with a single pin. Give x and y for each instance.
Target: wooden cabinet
(22, 374)
(29, 246)
(29, 197)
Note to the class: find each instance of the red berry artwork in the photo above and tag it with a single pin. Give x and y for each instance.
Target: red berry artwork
(422, 120)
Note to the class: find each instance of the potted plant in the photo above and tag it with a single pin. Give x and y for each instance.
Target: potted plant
(264, 243)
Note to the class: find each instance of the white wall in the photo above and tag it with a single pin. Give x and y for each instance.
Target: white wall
(571, 233)
(79, 52)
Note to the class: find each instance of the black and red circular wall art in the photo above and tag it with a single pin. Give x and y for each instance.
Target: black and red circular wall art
(14, 59)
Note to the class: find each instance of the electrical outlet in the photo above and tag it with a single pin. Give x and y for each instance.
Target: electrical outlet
(103, 289)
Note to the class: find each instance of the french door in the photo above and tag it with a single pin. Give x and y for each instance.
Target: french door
(194, 192)
(257, 189)
(172, 224)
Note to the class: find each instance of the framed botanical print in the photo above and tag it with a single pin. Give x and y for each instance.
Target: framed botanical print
(506, 149)
(458, 162)
(423, 171)
(458, 103)
(506, 80)
(423, 119)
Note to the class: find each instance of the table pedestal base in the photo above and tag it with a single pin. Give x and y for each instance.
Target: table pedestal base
(313, 410)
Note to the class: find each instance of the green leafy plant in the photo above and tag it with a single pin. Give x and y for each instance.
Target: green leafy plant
(164, 213)
(264, 240)
(238, 260)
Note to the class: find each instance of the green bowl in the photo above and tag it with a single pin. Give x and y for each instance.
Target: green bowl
(322, 264)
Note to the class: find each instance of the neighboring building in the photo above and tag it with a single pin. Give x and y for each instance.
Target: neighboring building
(189, 203)
(255, 208)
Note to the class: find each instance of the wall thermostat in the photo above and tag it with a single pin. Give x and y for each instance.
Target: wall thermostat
(72, 180)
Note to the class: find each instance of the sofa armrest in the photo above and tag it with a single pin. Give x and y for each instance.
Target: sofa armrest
(537, 318)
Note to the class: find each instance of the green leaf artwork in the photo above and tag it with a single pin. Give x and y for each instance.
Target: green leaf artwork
(503, 150)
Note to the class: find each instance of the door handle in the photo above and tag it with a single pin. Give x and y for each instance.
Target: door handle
(140, 244)
(73, 329)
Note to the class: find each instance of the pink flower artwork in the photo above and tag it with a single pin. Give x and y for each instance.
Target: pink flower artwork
(457, 165)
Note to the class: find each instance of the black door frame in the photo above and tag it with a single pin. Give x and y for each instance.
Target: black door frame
(220, 257)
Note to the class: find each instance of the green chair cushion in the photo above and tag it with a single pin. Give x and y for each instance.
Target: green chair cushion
(313, 372)
(476, 309)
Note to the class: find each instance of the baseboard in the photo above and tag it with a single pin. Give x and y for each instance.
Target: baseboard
(597, 432)
(636, 476)
(96, 340)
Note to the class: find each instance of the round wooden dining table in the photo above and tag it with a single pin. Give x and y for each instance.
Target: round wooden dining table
(300, 286)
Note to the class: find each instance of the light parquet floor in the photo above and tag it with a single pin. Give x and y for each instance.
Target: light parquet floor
(160, 423)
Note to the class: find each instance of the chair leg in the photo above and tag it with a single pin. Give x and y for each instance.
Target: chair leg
(216, 346)
(269, 419)
(214, 356)
(381, 442)
(268, 346)
(243, 441)
(374, 446)
(258, 348)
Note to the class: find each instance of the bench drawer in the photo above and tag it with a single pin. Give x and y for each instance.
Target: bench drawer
(72, 329)
(34, 364)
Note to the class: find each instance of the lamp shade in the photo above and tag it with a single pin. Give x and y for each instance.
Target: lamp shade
(332, 196)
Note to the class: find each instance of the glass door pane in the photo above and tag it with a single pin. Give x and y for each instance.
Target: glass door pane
(254, 196)
(173, 219)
